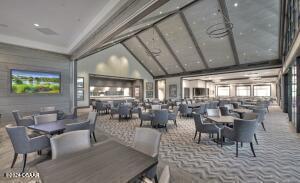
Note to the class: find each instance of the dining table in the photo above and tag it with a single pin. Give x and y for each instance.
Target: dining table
(241, 111)
(55, 127)
(108, 162)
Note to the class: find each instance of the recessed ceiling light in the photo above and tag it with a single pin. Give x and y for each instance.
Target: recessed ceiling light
(210, 60)
(270, 49)
(185, 64)
(198, 62)
(37, 25)
(177, 7)
(253, 29)
(236, 4)
(160, 12)
(194, 23)
(203, 44)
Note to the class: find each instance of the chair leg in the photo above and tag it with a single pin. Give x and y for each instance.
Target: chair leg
(252, 149)
(155, 179)
(175, 122)
(237, 149)
(14, 160)
(141, 123)
(94, 136)
(255, 139)
(195, 135)
(263, 125)
(199, 138)
(166, 127)
(241, 144)
(24, 162)
(222, 141)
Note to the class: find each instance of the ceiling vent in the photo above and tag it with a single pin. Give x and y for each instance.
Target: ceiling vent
(46, 31)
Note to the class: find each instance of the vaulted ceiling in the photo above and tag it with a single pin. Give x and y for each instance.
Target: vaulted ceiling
(179, 31)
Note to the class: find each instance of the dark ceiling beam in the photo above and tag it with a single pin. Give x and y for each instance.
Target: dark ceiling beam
(242, 78)
(223, 6)
(169, 48)
(193, 38)
(138, 59)
(282, 15)
(271, 64)
(152, 56)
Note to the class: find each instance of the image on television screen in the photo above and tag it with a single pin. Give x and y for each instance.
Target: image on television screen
(31, 82)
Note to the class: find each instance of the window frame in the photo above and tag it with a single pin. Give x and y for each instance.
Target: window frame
(262, 85)
(224, 86)
(236, 89)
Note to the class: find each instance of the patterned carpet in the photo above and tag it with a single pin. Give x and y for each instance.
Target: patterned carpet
(278, 152)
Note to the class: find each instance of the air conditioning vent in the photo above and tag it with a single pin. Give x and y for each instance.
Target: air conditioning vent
(47, 31)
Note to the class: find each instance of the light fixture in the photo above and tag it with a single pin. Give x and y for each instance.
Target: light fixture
(236, 4)
(221, 28)
(153, 51)
(37, 25)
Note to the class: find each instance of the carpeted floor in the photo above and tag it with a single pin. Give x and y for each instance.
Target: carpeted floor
(278, 152)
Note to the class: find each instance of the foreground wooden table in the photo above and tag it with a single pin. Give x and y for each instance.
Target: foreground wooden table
(222, 119)
(107, 162)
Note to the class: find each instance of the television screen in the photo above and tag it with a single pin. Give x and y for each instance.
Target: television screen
(31, 82)
(200, 91)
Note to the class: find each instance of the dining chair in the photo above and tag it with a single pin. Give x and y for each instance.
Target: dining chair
(213, 112)
(229, 106)
(225, 112)
(156, 107)
(160, 118)
(22, 144)
(92, 118)
(100, 107)
(70, 142)
(47, 109)
(242, 131)
(262, 112)
(185, 110)
(252, 116)
(173, 115)
(147, 141)
(123, 111)
(144, 116)
(165, 175)
(45, 118)
(22, 120)
(202, 127)
(77, 126)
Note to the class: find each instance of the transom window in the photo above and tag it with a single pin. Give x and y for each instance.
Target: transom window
(243, 91)
(223, 91)
(262, 90)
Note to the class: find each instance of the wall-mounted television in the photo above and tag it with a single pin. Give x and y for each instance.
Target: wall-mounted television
(200, 91)
(34, 82)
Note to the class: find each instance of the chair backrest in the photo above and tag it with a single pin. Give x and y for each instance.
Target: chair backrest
(178, 103)
(250, 116)
(45, 118)
(92, 118)
(262, 112)
(147, 141)
(165, 175)
(184, 108)
(17, 116)
(160, 117)
(213, 112)
(175, 110)
(156, 107)
(229, 106)
(224, 111)
(78, 126)
(198, 121)
(47, 109)
(123, 109)
(70, 142)
(244, 130)
(19, 138)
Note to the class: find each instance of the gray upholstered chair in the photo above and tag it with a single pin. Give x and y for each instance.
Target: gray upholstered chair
(147, 141)
(225, 112)
(22, 121)
(47, 109)
(70, 142)
(229, 106)
(92, 118)
(144, 116)
(165, 175)
(23, 144)
(124, 111)
(202, 127)
(213, 112)
(77, 126)
(101, 107)
(185, 110)
(165, 106)
(156, 107)
(252, 116)
(114, 109)
(45, 118)
(173, 115)
(160, 118)
(262, 112)
(242, 131)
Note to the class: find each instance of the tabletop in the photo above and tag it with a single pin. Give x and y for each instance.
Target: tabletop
(106, 162)
(222, 119)
(241, 110)
(53, 127)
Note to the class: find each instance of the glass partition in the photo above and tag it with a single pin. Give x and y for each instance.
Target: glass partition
(110, 91)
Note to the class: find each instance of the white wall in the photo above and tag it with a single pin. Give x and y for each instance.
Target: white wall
(171, 81)
(114, 61)
(198, 84)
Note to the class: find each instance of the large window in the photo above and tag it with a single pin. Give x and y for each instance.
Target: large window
(243, 91)
(223, 91)
(262, 90)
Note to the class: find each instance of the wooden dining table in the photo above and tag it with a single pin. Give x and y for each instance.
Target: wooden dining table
(241, 111)
(222, 119)
(55, 127)
(107, 162)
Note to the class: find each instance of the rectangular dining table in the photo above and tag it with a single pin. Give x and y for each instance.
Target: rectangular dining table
(107, 162)
(55, 127)
(222, 119)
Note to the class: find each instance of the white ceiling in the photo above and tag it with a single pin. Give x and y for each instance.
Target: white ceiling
(72, 20)
(217, 78)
